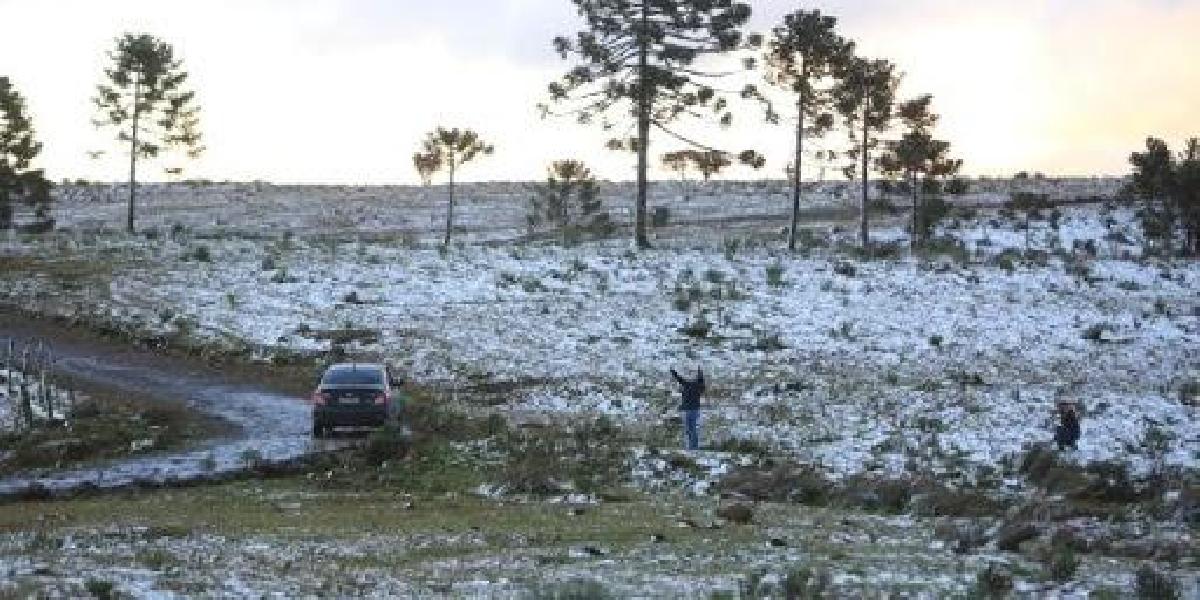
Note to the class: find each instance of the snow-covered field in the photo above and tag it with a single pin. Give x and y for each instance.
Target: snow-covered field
(946, 365)
(906, 364)
(489, 211)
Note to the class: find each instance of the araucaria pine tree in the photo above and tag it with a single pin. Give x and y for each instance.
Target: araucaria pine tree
(569, 201)
(19, 182)
(450, 149)
(864, 96)
(144, 97)
(803, 55)
(920, 159)
(1171, 190)
(639, 59)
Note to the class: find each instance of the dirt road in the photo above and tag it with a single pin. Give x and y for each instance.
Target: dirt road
(265, 424)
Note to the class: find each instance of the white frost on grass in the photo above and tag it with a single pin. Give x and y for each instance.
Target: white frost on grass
(944, 366)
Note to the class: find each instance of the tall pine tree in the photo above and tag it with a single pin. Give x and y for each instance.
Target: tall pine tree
(650, 60)
(865, 95)
(569, 201)
(920, 159)
(448, 150)
(144, 97)
(19, 182)
(803, 55)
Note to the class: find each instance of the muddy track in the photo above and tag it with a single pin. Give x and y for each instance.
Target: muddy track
(265, 425)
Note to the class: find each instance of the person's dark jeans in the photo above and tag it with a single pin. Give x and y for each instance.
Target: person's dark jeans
(691, 429)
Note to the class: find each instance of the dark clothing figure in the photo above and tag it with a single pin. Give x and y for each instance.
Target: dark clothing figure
(690, 407)
(692, 390)
(1067, 433)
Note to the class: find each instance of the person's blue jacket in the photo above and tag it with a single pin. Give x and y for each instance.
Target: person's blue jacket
(692, 390)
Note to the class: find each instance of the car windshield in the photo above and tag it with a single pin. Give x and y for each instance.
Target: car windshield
(365, 376)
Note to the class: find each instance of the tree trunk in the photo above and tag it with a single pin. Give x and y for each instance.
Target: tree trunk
(643, 126)
(797, 178)
(916, 204)
(865, 233)
(133, 151)
(450, 208)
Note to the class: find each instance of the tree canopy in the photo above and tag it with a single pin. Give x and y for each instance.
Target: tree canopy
(145, 98)
(20, 183)
(651, 60)
(804, 53)
(865, 97)
(919, 158)
(448, 150)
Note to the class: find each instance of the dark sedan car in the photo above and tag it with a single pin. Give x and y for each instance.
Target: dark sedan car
(355, 395)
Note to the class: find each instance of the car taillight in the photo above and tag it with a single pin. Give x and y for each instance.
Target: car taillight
(321, 398)
(381, 399)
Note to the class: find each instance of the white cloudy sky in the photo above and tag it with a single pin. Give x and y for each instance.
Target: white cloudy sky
(341, 91)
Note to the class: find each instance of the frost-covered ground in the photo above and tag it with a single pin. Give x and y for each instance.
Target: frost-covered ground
(280, 540)
(489, 211)
(947, 365)
(903, 364)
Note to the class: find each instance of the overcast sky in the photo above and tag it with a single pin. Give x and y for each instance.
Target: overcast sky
(342, 91)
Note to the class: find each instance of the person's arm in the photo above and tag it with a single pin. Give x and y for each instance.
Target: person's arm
(677, 377)
(700, 380)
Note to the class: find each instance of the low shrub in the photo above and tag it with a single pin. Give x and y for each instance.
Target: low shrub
(944, 502)
(202, 254)
(1096, 332)
(589, 458)
(100, 589)
(574, 589)
(994, 582)
(783, 483)
(1042, 466)
(731, 246)
(1062, 564)
(807, 583)
(845, 269)
(1153, 584)
(775, 273)
(1189, 393)
(661, 217)
(888, 495)
(742, 446)
(387, 443)
(697, 328)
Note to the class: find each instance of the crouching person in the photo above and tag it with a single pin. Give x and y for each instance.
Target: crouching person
(1066, 434)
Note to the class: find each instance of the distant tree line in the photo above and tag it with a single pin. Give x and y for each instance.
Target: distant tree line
(656, 62)
(638, 68)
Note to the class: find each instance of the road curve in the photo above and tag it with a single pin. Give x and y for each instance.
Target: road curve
(267, 425)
